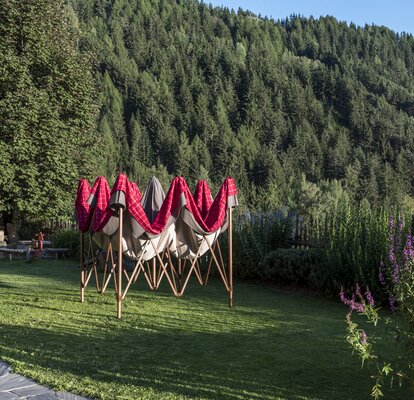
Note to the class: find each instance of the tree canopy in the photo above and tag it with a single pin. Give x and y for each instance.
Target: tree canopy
(185, 88)
(203, 90)
(47, 110)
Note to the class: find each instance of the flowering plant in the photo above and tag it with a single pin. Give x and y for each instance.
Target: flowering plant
(396, 277)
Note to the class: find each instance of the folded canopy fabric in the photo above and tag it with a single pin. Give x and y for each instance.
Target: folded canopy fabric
(202, 220)
(202, 197)
(152, 199)
(98, 200)
(125, 194)
(215, 217)
(179, 195)
(82, 207)
(135, 242)
(196, 220)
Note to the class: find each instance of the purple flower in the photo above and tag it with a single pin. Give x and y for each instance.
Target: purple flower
(391, 256)
(392, 303)
(342, 297)
(353, 305)
(395, 276)
(381, 277)
(399, 232)
(358, 291)
(360, 307)
(363, 338)
(369, 297)
(408, 252)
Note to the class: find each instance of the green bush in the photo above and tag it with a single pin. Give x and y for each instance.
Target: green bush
(68, 238)
(290, 265)
(256, 234)
(347, 243)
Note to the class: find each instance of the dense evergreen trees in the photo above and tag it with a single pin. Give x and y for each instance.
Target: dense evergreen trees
(208, 91)
(47, 110)
(188, 89)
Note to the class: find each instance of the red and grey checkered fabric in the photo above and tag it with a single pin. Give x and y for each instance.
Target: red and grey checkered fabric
(134, 206)
(133, 200)
(82, 208)
(136, 190)
(99, 200)
(202, 197)
(208, 214)
(217, 212)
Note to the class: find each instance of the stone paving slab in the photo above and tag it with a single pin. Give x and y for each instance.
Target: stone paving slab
(14, 381)
(8, 396)
(17, 387)
(46, 396)
(31, 391)
(4, 369)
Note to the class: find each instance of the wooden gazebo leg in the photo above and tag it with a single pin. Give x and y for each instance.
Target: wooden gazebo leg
(119, 291)
(180, 276)
(154, 273)
(230, 239)
(193, 264)
(82, 270)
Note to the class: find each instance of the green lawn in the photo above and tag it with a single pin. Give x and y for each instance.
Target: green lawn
(273, 345)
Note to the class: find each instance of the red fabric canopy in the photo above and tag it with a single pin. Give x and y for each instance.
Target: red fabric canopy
(208, 214)
(133, 204)
(203, 197)
(217, 212)
(99, 200)
(82, 207)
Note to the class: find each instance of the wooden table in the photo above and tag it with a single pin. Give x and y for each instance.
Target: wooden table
(57, 251)
(10, 252)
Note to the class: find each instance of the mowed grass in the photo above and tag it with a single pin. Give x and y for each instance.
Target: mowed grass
(274, 344)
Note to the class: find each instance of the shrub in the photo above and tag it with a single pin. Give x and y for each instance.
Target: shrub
(68, 238)
(290, 265)
(353, 240)
(256, 234)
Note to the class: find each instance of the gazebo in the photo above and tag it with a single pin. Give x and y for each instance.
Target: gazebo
(164, 234)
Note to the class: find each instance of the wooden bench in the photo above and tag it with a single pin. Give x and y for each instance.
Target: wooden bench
(33, 242)
(11, 252)
(57, 251)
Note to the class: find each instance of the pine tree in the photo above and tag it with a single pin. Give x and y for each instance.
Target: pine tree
(113, 111)
(47, 110)
(314, 93)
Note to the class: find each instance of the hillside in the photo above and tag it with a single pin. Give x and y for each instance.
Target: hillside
(282, 106)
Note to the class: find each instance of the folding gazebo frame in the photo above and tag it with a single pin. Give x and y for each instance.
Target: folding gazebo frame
(89, 265)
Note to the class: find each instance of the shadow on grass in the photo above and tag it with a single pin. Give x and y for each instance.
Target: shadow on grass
(62, 269)
(205, 365)
(272, 345)
(4, 285)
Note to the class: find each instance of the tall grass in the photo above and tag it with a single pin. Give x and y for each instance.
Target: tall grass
(346, 246)
(255, 235)
(352, 242)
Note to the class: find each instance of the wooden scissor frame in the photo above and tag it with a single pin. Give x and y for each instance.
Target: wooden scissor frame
(178, 278)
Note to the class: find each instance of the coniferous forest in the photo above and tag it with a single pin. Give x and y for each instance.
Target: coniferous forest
(295, 110)
(207, 92)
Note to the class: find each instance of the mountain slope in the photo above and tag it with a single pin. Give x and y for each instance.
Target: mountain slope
(206, 92)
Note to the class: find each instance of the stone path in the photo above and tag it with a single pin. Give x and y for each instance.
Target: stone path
(14, 386)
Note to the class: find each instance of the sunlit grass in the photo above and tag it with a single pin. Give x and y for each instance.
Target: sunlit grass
(273, 344)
